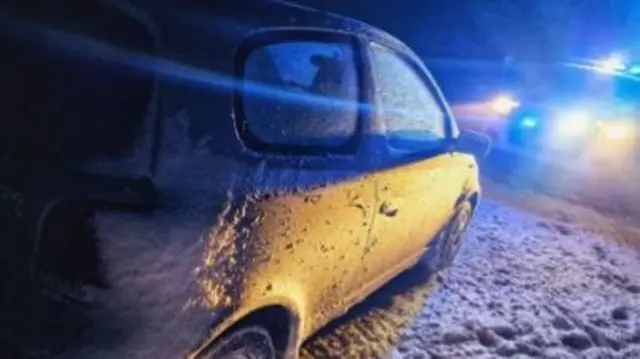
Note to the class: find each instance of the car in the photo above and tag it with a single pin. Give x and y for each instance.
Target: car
(287, 163)
(567, 110)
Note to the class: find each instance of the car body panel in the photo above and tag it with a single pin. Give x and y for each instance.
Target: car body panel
(309, 248)
(419, 198)
(314, 242)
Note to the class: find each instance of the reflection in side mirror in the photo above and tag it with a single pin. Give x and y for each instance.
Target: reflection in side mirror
(321, 60)
(303, 105)
(474, 143)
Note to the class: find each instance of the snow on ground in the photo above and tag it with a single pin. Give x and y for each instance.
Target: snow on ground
(523, 286)
(533, 287)
(612, 227)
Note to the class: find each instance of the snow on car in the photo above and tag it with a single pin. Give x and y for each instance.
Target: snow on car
(318, 161)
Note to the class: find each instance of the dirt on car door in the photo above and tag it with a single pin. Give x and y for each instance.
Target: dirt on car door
(413, 201)
(317, 237)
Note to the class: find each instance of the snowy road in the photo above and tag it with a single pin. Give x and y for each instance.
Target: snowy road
(565, 284)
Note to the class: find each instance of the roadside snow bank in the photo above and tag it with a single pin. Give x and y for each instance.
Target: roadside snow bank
(560, 213)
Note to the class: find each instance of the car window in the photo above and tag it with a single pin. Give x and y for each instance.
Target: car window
(301, 93)
(409, 110)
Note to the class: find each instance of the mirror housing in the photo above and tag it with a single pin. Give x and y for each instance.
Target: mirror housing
(473, 143)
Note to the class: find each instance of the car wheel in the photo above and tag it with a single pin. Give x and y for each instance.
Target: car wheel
(456, 234)
(246, 343)
(445, 247)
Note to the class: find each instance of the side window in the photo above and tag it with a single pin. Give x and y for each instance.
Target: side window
(301, 94)
(413, 119)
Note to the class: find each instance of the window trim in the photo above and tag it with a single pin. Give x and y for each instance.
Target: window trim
(427, 80)
(283, 35)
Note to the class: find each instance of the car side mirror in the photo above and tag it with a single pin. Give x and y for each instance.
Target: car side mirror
(473, 143)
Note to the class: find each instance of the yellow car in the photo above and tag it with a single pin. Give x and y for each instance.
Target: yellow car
(307, 159)
(379, 179)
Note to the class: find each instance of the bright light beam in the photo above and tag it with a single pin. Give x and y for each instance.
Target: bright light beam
(611, 64)
(504, 104)
(573, 124)
(88, 47)
(529, 122)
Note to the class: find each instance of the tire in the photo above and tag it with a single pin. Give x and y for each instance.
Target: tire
(444, 248)
(457, 229)
(252, 342)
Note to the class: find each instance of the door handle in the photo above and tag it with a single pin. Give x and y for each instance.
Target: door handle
(387, 209)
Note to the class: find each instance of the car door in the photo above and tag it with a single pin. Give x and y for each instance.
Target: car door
(306, 122)
(418, 181)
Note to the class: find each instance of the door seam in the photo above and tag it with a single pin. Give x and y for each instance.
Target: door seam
(376, 197)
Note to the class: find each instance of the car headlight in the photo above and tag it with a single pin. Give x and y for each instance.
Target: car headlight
(617, 131)
(573, 124)
(504, 104)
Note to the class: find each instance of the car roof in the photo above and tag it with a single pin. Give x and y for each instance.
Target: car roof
(247, 16)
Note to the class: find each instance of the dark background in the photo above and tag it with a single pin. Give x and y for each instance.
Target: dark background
(531, 30)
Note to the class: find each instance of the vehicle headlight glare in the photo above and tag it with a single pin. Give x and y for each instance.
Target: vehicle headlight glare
(611, 64)
(576, 123)
(529, 122)
(617, 131)
(504, 104)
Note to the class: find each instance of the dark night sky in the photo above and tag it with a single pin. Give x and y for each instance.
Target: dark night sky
(525, 29)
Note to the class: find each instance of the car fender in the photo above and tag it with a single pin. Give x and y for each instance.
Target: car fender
(229, 317)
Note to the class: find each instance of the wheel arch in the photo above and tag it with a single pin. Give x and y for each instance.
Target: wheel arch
(282, 323)
(474, 199)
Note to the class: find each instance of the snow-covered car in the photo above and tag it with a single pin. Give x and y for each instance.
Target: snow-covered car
(294, 160)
